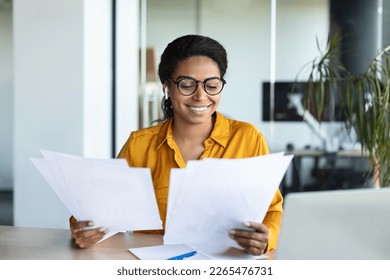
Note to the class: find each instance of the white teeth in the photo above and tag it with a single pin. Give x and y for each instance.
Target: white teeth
(198, 109)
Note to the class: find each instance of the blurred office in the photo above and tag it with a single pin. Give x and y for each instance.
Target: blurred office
(79, 76)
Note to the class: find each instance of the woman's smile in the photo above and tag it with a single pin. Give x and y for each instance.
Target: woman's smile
(199, 108)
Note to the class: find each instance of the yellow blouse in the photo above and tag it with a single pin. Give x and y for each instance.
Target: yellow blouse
(155, 148)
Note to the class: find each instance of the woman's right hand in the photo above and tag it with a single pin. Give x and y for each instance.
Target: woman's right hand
(85, 238)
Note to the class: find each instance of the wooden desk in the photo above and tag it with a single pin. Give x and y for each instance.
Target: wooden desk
(55, 244)
(20, 243)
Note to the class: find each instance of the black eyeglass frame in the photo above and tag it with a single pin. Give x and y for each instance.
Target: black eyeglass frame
(197, 84)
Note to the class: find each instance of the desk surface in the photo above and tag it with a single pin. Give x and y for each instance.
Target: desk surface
(21, 243)
(55, 244)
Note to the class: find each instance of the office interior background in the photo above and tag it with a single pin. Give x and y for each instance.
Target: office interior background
(73, 78)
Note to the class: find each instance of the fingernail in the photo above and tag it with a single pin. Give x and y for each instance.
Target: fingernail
(232, 232)
(247, 224)
(104, 229)
(90, 224)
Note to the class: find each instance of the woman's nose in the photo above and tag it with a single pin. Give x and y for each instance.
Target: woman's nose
(200, 93)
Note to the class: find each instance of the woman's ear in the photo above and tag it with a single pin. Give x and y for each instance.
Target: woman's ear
(165, 89)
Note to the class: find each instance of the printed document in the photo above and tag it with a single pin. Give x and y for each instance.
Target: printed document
(107, 192)
(212, 196)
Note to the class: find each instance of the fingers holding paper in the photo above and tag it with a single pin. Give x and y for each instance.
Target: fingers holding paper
(254, 240)
(85, 238)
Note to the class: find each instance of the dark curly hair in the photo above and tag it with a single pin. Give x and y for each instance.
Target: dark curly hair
(182, 48)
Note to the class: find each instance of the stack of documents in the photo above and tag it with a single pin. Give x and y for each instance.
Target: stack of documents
(105, 191)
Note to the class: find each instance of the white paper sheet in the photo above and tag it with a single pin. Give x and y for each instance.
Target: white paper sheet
(175, 181)
(107, 192)
(218, 251)
(203, 252)
(161, 252)
(217, 195)
(48, 169)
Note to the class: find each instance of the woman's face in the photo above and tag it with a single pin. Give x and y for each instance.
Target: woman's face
(198, 107)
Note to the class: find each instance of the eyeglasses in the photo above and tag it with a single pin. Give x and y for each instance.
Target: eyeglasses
(188, 86)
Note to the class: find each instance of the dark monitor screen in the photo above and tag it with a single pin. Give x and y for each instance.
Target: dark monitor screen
(283, 109)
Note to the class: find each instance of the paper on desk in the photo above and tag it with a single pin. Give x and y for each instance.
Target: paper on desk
(219, 251)
(107, 192)
(204, 252)
(161, 252)
(220, 194)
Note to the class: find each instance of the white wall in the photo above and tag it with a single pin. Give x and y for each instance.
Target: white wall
(167, 20)
(127, 71)
(6, 97)
(243, 27)
(299, 23)
(61, 97)
(97, 78)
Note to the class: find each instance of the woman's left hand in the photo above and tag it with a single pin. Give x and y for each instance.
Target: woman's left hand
(254, 242)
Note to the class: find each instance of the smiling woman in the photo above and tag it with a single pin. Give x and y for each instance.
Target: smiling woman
(192, 129)
(196, 105)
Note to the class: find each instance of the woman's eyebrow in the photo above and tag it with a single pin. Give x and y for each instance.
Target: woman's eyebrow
(189, 77)
(185, 77)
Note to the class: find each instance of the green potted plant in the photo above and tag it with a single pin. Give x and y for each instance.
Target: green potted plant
(364, 98)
